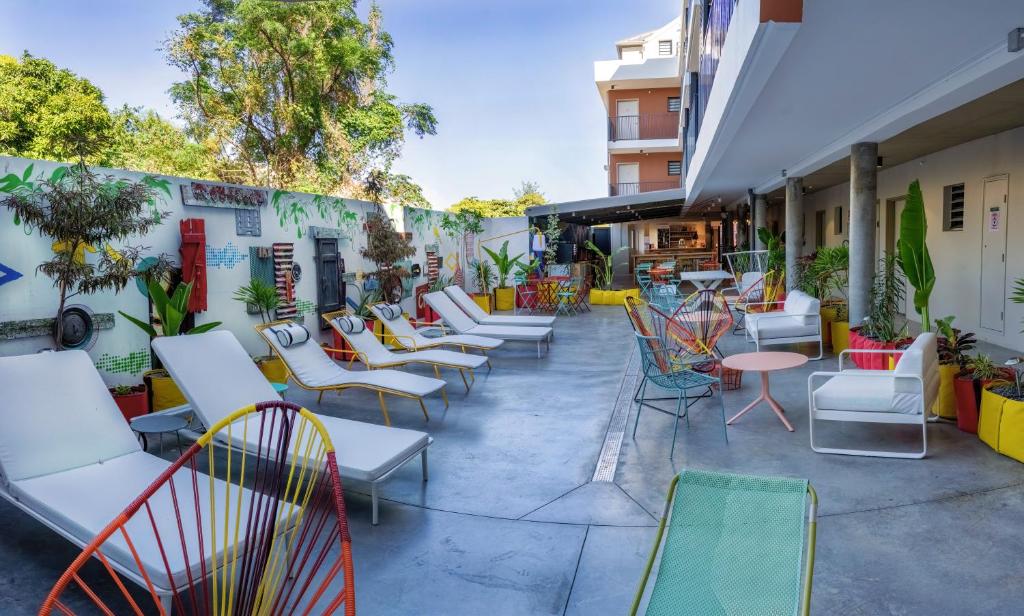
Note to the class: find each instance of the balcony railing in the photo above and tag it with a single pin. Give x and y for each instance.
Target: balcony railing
(635, 188)
(643, 126)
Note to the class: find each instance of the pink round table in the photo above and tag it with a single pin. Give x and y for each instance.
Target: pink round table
(764, 362)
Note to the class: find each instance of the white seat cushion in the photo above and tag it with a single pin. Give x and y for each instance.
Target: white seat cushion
(478, 314)
(450, 312)
(83, 501)
(479, 342)
(57, 415)
(870, 394)
(505, 332)
(440, 356)
(778, 325)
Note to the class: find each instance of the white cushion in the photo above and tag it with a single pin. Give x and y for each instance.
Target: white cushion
(57, 415)
(406, 334)
(870, 394)
(440, 356)
(517, 320)
(289, 334)
(388, 312)
(778, 325)
(479, 315)
(83, 501)
(920, 359)
(449, 311)
(801, 304)
(349, 324)
(505, 332)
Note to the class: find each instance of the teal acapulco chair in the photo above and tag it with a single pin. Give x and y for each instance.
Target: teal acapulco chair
(736, 545)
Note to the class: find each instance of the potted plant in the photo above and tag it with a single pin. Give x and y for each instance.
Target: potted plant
(504, 296)
(882, 328)
(953, 347)
(485, 278)
(133, 400)
(361, 310)
(912, 252)
(603, 273)
(1001, 424)
(981, 372)
(385, 247)
(824, 276)
(262, 299)
(171, 311)
(442, 281)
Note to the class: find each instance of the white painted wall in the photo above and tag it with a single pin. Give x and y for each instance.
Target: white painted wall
(33, 296)
(956, 255)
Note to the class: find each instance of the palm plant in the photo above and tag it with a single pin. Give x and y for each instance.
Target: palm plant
(776, 249)
(368, 298)
(483, 275)
(442, 281)
(261, 296)
(887, 296)
(603, 272)
(525, 269)
(912, 252)
(503, 263)
(825, 275)
(171, 310)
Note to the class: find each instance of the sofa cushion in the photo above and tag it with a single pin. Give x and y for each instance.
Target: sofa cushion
(853, 393)
(389, 312)
(770, 325)
(920, 359)
(350, 324)
(289, 334)
(800, 303)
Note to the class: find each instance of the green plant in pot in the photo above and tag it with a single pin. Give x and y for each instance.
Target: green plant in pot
(504, 296)
(528, 269)
(133, 400)
(825, 276)
(884, 327)
(980, 372)
(171, 312)
(912, 253)
(776, 247)
(953, 346)
(262, 299)
(485, 278)
(603, 269)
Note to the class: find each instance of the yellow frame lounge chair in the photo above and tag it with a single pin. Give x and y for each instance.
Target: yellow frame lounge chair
(412, 338)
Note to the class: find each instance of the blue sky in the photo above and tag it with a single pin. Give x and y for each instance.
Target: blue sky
(511, 81)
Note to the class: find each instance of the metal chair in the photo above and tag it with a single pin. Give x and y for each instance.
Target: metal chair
(700, 321)
(736, 544)
(761, 295)
(644, 280)
(524, 295)
(565, 296)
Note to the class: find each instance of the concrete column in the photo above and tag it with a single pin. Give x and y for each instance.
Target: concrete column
(794, 228)
(863, 210)
(760, 219)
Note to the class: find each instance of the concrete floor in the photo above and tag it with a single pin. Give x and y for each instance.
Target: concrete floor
(510, 522)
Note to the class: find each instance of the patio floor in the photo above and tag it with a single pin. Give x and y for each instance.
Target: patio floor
(511, 523)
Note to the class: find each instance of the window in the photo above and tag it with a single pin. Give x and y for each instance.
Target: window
(674, 103)
(664, 48)
(837, 221)
(675, 167)
(953, 207)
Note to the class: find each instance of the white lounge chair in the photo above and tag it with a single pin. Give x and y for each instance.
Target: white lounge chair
(477, 313)
(798, 321)
(69, 460)
(461, 323)
(311, 368)
(901, 396)
(412, 338)
(375, 355)
(217, 376)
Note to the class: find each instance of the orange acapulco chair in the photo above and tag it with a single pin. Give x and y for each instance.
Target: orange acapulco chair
(227, 531)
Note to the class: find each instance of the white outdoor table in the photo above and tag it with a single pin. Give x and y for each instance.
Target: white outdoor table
(709, 279)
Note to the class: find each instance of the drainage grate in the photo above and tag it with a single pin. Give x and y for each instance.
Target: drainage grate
(608, 461)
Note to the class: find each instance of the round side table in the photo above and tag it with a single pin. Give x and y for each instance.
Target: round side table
(147, 425)
(764, 362)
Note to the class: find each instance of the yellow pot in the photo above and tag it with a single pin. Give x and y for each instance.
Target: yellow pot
(597, 297)
(990, 414)
(484, 301)
(504, 299)
(828, 315)
(634, 293)
(1001, 424)
(945, 401)
(164, 391)
(840, 336)
(273, 368)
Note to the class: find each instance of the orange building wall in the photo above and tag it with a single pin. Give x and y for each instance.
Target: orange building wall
(653, 100)
(653, 167)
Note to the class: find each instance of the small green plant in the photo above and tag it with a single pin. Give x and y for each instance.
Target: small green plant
(483, 275)
(825, 274)
(983, 368)
(368, 298)
(603, 271)
(261, 295)
(171, 310)
(953, 344)
(775, 244)
(122, 390)
(525, 269)
(503, 263)
(442, 281)
(887, 297)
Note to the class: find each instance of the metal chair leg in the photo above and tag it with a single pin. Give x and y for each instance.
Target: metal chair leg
(640, 407)
(462, 373)
(675, 425)
(373, 503)
(721, 403)
(424, 408)
(320, 397)
(423, 464)
(384, 408)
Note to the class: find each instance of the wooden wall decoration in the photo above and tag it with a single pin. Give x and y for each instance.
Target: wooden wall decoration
(283, 253)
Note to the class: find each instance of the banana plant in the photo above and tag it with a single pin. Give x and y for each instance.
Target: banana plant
(912, 252)
(604, 274)
(171, 310)
(503, 263)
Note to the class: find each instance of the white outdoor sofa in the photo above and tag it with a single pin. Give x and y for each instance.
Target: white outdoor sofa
(478, 314)
(217, 376)
(798, 321)
(461, 323)
(901, 396)
(69, 459)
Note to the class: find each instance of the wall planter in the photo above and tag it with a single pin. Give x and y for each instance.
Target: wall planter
(273, 368)
(872, 361)
(504, 299)
(134, 403)
(945, 400)
(164, 393)
(840, 336)
(1001, 425)
(484, 301)
(968, 400)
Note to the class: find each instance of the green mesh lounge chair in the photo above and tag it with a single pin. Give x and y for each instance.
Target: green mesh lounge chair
(737, 545)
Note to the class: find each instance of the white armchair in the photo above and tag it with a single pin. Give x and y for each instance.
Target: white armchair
(901, 396)
(798, 321)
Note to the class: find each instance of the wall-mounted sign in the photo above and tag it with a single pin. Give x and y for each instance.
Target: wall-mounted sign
(317, 233)
(228, 196)
(994, 216)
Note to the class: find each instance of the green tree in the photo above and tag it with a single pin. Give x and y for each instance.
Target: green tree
(143, 141)
(527, 195)
(292, 91)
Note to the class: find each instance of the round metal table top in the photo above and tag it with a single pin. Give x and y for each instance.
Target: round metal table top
(764, 361)
(156, 424)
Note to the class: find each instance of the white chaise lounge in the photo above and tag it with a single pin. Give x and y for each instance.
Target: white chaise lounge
(461, 323)
(901, 396)
(798, 321)
(375, 355)
(69, 460)
(412, 338)
(475, 312)
(217, 376)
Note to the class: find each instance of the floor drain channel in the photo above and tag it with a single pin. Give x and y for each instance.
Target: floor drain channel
(608, 461)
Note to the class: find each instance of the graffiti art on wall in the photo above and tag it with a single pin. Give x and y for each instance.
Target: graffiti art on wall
(227, 257)
(291, 208)
(134, 363)
(283, 253)
(304, 306)
(8, 275)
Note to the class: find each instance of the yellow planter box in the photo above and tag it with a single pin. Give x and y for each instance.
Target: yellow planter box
(274, 369)
(840, 336)
(484, 301)
(828, 315)
(597, 297)
(1001, 424)
(164, 391)
(945, 401)
(634, 293)
(504, 299)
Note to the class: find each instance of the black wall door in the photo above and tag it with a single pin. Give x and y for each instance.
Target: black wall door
(330, 292)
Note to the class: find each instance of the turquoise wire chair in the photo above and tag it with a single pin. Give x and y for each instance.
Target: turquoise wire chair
(667, 370)
(736, 544)
(644, 280)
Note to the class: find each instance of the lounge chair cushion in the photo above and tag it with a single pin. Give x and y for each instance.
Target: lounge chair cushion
(389, 312)
(454, 316)
(475, 312)
(848, 392)
(407, 336)
(769, 325)
(290, 334)
(350, 324)
(57, 415)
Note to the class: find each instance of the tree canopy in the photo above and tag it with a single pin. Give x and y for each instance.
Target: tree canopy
(291, 93)
(527, 195)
